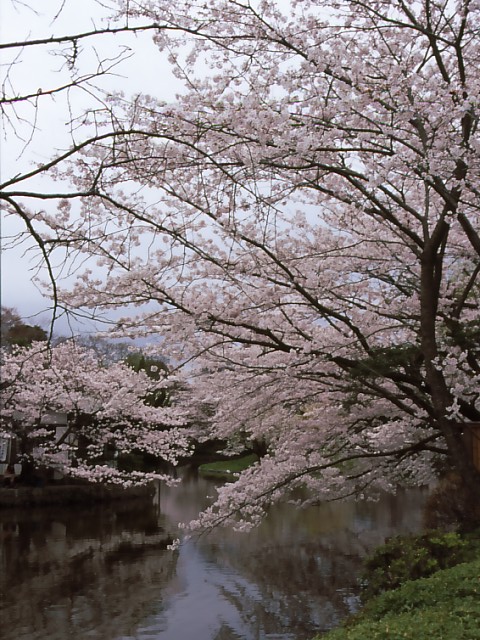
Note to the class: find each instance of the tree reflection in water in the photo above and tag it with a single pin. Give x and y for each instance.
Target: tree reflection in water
(297, 574)
(68, 574)
(104, 573)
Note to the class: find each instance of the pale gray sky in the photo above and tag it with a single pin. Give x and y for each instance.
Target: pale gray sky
(145, 71)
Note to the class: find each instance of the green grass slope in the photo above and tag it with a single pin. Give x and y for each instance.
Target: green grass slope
(227, 469)
(444, 606)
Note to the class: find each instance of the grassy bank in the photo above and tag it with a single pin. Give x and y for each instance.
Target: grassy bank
(442, 606)
(227, 469)
(445, 606)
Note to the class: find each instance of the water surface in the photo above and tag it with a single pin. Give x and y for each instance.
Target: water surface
(103, 573)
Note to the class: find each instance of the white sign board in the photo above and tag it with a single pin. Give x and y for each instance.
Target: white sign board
(4, 449)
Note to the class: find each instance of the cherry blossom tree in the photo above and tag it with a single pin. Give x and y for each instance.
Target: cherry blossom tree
(55, 61)
(107, 408)
(301, 228)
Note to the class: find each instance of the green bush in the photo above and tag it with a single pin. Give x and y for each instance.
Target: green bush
(445, 606)
(406, 558)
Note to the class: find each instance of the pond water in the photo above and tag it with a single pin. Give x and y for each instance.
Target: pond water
(103, 574)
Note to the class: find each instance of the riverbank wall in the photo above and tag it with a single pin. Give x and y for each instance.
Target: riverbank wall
(70, 495)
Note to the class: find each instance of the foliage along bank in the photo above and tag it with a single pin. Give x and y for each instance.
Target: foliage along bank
(410, 592)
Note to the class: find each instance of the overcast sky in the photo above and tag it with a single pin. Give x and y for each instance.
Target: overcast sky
(37, 68)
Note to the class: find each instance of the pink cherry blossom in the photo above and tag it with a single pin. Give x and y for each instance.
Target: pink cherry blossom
(105, 406)
(300, 227)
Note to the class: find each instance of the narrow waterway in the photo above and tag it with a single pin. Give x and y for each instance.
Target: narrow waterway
(103, 574)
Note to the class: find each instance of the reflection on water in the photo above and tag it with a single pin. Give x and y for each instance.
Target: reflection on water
(79, 574)
(104, 574)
